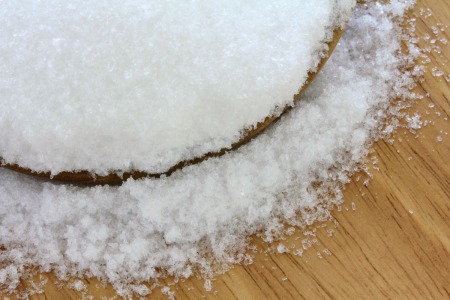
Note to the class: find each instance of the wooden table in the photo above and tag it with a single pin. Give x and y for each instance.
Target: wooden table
(395, 244)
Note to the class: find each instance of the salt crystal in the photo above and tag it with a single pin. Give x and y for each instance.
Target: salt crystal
(168, 292)
(414, 122)
(435, 30)
(282, 249)
(290, 231)
(78, 285)
(439, 138)
(436, 72)
(208, 285)
(248, 260)
(327, 251)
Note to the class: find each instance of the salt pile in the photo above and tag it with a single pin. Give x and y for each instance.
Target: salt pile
(177, 80)
(198, 219)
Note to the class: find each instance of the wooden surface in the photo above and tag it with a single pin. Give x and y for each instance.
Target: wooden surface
(393, 243)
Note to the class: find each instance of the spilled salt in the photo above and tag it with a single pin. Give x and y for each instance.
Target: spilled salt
(414, 121)
(198, 219)
(142, 85)
(168, 292)
(436, 72)
(282, 249)
(327, 251)
(78, 285)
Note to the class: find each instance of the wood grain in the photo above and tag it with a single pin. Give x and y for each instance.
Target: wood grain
(395, 245)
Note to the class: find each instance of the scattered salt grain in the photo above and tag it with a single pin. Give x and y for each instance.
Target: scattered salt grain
(208, 285)
(439, 138)
(436, 72)
(327, 251)
(414, 122)
(168, 292)
(198, 219)
(282, 249)
(78, 285)
(290, 231)
(248, 260)
(426, 13)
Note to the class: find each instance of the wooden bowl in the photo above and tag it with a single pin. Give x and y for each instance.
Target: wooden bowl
(88, 178)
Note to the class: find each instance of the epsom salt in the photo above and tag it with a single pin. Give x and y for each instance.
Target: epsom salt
(142, 85)
(198, 219)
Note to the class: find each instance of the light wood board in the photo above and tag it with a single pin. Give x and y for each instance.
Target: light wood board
(395, 244)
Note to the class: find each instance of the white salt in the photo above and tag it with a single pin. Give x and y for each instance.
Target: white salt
(414, 121)
(282, 249)
(298, 252)
(138, 84)
(199, 219)
(436, 72)
(208, 285)
(78, 285)
(168, 292)
(327, 251)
